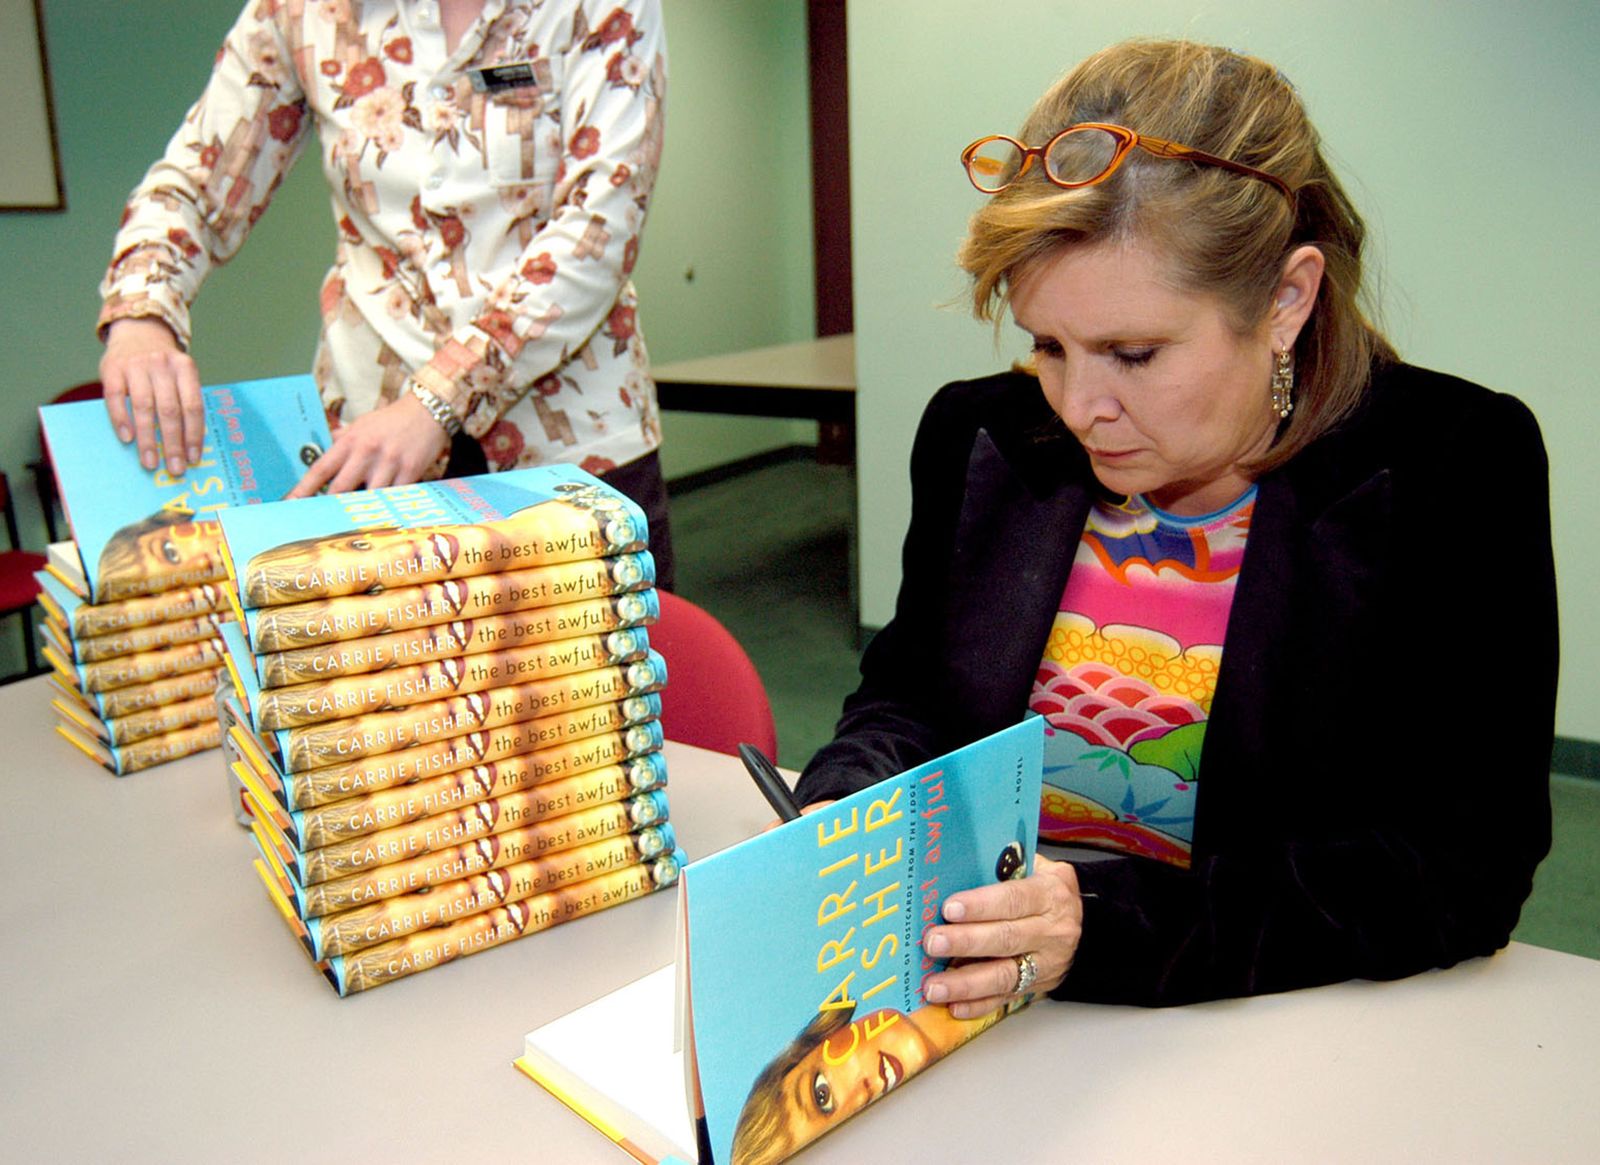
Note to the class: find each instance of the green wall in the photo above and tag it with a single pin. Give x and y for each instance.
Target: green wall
(1462, 133)
(732, 205)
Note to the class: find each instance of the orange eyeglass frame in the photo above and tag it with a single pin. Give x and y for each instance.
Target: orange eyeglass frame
(1127, 139)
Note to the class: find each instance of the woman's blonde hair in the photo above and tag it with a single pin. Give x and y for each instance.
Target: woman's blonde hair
(1224, 234)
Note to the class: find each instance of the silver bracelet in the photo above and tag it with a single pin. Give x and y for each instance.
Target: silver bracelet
(437, 409)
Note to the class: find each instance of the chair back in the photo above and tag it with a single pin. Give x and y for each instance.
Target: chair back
(714, 697)
(18, 588)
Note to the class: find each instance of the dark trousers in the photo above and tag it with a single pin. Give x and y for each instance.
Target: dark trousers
(640, 480)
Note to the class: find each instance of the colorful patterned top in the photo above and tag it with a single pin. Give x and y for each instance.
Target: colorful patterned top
(1129, 674)
(488, 201)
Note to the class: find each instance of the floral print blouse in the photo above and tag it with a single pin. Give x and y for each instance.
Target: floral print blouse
(488, 201)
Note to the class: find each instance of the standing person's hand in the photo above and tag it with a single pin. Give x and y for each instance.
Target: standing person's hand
(990, 931)
(153, 391)
(393, 445)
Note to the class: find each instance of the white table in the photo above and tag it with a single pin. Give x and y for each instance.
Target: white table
(156, 1009)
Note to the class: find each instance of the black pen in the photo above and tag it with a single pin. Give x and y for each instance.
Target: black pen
(770, 781)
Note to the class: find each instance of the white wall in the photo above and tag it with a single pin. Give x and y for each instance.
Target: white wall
(1462, 131)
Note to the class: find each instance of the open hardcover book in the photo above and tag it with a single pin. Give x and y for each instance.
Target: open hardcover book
(140, 533)
(796, 999)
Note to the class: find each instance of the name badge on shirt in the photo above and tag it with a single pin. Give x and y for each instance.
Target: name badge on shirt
(499, 78)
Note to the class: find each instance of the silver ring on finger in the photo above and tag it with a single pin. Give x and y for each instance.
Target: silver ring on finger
(1027, 974)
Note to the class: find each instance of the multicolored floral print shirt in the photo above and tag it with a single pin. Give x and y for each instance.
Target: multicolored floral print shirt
(489, 203)
(1129, 674)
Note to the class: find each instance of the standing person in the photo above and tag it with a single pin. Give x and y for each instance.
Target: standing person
(490, 164)
(1287, 603)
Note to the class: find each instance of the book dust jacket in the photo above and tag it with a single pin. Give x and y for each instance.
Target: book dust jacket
(804, 943)
(377, 539)
(140, 533)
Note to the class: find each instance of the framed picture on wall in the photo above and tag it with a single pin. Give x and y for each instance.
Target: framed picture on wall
(30, 165)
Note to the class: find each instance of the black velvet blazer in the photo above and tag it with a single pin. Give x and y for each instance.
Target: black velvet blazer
(1374, 782)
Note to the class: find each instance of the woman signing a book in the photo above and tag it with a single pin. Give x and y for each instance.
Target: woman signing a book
(1215, 531)
(490, 164)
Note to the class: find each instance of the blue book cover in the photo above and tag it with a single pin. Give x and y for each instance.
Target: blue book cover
(805, 965)
(372, 540)
(140, 532)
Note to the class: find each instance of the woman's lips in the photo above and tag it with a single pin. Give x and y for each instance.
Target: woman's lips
(890, 1071)
(1111, 454)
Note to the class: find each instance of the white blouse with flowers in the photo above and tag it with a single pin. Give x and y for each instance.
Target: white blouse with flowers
(489, 203)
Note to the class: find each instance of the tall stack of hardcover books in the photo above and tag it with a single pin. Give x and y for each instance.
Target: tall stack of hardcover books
(444, 722)
(133, 607)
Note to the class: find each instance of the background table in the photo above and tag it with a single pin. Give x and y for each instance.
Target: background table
(812, 378)
(154, 1008)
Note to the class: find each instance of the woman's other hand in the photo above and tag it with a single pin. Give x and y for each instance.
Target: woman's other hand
(986, 929)
(393, 445)
(153, 391)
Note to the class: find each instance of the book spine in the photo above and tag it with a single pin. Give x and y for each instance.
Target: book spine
(317, 787)
(111, 674)
(66, 567)
(71, 692)
(137, 726)
(338, 741)
(170, 746)
(89, 621)
(358, 616)
(53, 634)
(152, 637)
(353, 695)
(431, 948)
(54, 611)
(492, 852)
(524, 834)
(491, 773)
(392, 918)
(443, 830)
(459, 637)
(562, 530)
(153, 694)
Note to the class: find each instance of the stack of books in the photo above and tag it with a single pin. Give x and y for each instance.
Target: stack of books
(443, 726)
(133, 606)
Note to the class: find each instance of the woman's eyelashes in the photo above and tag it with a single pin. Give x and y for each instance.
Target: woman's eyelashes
(1133, 357)
(1126, 355)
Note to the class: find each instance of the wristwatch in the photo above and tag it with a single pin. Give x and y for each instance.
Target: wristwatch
(437, 409)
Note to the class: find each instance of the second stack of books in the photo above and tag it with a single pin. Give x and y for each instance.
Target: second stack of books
(134, 604)
(134, 677)
(444, 725)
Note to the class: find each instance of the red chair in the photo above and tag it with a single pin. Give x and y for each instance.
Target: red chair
(44, 474)
(714, 697)
(18, 588)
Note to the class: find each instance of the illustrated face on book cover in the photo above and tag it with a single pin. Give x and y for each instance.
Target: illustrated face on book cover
(836, 1067)
(166, 550)
(433, 551)
(831, 1071)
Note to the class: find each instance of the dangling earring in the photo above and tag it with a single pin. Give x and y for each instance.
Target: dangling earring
(1283, 384)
